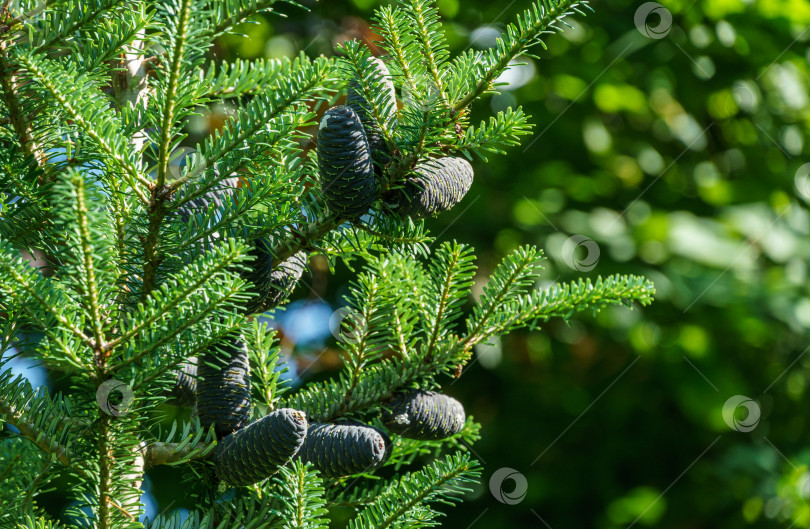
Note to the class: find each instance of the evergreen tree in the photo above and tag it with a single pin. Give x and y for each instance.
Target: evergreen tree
(153, 278)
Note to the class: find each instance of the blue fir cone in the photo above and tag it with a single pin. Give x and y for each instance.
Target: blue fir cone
(258, 450)
(216, 196)
(184, 392)
(344, 163)
(223, 387)
(424, 415)
(259, 273)
(435, 186)
(337, 450)
(355, 99)
(284, 278)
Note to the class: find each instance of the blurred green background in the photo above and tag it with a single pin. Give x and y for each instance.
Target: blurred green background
(676, 143)
(670, 145)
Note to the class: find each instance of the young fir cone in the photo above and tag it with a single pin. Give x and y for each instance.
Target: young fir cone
(424, 415)
(355, 99)
(216, 196)
(184, 392)
(284, 279)
(435, 186)
(344, 163)
(223, 387)
(258, 450)
(259, 273)
(337, 450)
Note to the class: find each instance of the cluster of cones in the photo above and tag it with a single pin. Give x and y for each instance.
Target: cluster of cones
(248, 452)
(352, 154)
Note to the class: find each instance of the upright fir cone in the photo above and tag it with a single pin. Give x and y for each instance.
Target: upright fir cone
(355, 99)
(258, 450)
(216, 196)
(184, 392)
(284, 278)
(435, 186)
(424, 415)
(259, 274)
(344, 163)
(337, 450)
(223, 387)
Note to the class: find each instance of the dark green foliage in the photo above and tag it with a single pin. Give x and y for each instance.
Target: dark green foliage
(424, 415)
(223, 387)
(258, 450)
(184, 392)
(337, 450)
(435, 186)
(344, 163)
(377, 76)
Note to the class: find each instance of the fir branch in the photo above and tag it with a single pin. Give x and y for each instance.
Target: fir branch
(48, 299)
(68, 19)
(85, 247)
(406, 502)
(542, 18)
(300, 498)
(400, 43)
(176, 291)
(230, 13)
(18, 117)
(84, 103)
(429, 36)
(170, 101)
(29, 430)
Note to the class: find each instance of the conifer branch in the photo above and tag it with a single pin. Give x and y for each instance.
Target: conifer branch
(19, 120)
(91, 293)
(169, 100)
(540, 19)
(77, 104)
(30, 431)
(228, 18)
